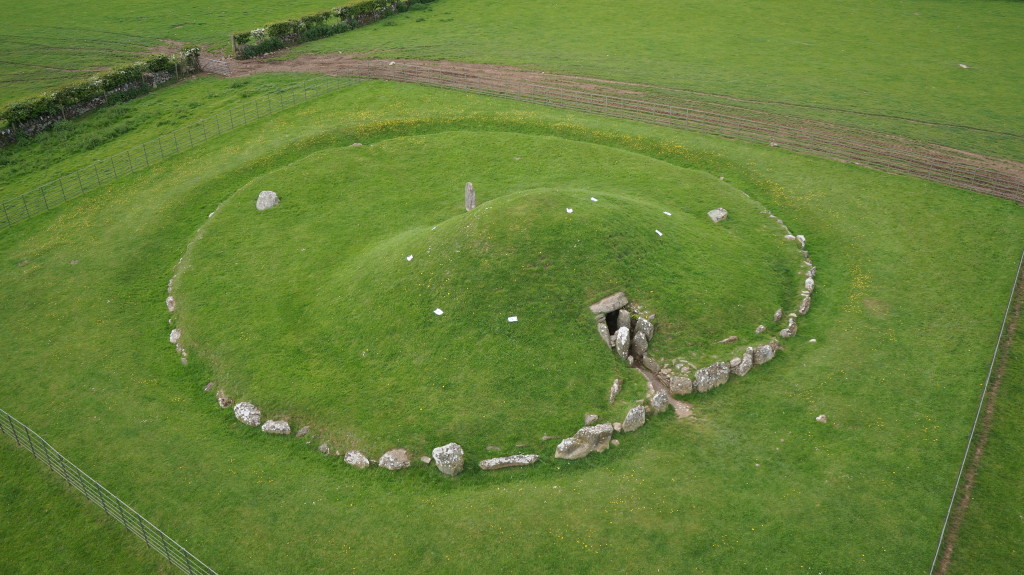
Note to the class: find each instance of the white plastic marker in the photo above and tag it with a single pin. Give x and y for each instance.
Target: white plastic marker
(408, 258)
(666, 213)
(568, 210)
(513, 318)
(593, 199)
(658, 232)
(438, 311)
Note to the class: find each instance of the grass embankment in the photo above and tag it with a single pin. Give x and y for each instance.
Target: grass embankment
(912, 283)
(297, 305)
(895, 67)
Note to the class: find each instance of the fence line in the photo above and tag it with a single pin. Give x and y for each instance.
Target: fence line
(112, 505)
(887, 153)
(144, 155)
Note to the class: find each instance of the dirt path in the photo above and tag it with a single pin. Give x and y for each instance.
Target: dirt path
(716, 115)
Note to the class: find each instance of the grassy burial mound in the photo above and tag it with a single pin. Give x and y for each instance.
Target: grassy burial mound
(372, 305)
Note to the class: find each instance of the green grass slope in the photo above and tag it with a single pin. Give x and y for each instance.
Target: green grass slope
(912, 284)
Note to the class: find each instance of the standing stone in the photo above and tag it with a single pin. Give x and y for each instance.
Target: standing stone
(614, 392)
(326, 449)
(614, 302)
(718, 214)
(644, 326)
(470, 196)
(449, 459)
(587, 439)
(743, 364)
(508, 461)
(639, 345)
(805, 305)
(790, 329)
(712, 376)
(248, 413)
(811, 272)
(778, 315)
(622, 342)
(602, 329)
(809, 285)
(175, 336)
(760, 329)
(267, 200)
(680, 385)
(764, 353)
(395, 459)
(223, 400)
(624, 319)
(356, 459)
(277, 427)
(635, 419)
(170, 303)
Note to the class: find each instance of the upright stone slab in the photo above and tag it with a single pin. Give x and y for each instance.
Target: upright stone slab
(644, 326)
(638, 347)
(470, 196)
(764, 353)
(449, 459)
(710, 377)
(635, 419)
(745, 363)
(622, 342)
(602, 330)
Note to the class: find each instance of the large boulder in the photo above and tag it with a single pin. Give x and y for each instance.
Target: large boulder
(449, 459)
(635, 419)
(508, 461)
(742, 365)
(764, 353)
(659, 401)
(710, 377)
(277, 427)
(587, 439)
(622, 341)
(248, 413)
(638, 347)
(680, 385)
(395, 459)
(267, 200)
(356, 459)
(614, 302)
(644, 326)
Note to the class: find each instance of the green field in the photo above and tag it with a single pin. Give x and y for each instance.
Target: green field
(278, 307)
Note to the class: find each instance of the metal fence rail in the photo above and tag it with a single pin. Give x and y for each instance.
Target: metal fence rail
(887, 153)
(110, 503)
(144, 155)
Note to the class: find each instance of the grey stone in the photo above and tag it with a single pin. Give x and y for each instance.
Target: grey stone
(811, 272)
(508, 461)
(614, 392)
(659, 401)
(805, 305)
(587, 440)
(730, 339)
(760, 329)
(425, 460)
(170, 303)
(210, 386)
(710, 377)
(635, 419)
(602, 330)
(624, 319)
(650, 365)
(718, 214)
(790, 329)
(276, 427)
(493, 448)
(821, 418)
(616, 426)
(356, 459)
(590, 419)
(470, 196)
(644, 326)
(449, 459)
(395, 459)
(639, 345)
(680, 385)
(764, 353)
(248, 413)
(223, 400)
(809, 285)
(615, 442)
(778, 315)
(614, 302)
(267, 200)
(302, 432)
(743, 364)
(622, 342)
(175, 335)
(326, 449)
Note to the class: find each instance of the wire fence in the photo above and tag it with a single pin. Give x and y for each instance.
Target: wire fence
(110, 503)
(883, 152)
(144, 155)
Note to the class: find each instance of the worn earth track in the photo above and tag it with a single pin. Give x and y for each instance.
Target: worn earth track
(650, 104)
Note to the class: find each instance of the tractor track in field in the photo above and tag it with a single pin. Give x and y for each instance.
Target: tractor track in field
(706, 113)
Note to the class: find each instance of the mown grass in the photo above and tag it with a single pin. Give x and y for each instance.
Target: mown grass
(889, 66)
(912, 283)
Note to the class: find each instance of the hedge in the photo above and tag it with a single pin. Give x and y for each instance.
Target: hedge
(277, 35)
